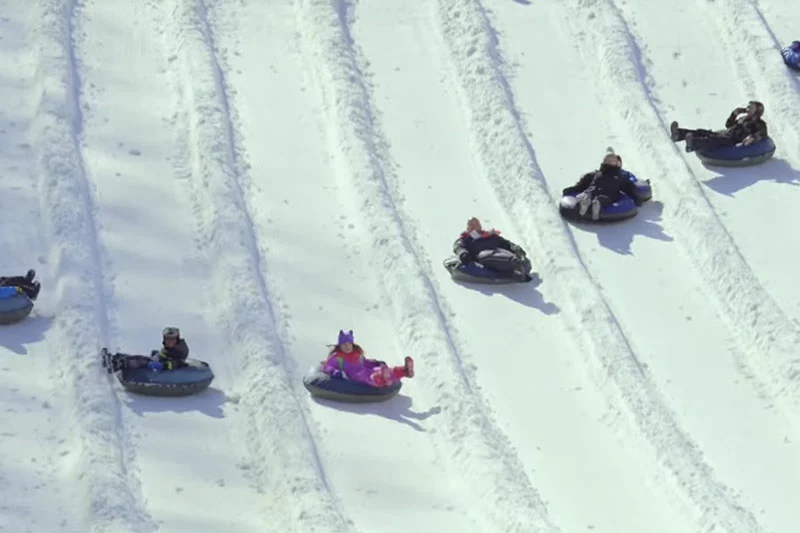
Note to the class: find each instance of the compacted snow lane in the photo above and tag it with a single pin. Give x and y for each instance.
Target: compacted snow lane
(188, 455)
(567, 451)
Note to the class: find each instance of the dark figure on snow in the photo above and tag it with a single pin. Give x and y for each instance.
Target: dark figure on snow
(791, 55)
(174, 350)
(26, 283)
(743, 127)
(475, 239)
(172, 355)
(603, 187)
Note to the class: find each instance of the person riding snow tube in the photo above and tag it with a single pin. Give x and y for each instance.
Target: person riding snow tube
(27, 283)
(486, 257)
(605, 195)
(348, 376)
(166, 372)
(15, 305)
(744, 142)
(791, 55)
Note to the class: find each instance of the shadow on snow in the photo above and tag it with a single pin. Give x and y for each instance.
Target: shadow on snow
(31, 330)
(397, 408)
(618, 236)
(732, 180)
(209, 402)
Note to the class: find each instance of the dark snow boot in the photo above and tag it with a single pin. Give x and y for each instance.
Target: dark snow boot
(32, 290)
(689, 143)
(673, 131)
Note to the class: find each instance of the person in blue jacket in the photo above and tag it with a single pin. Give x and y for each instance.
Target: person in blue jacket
(791, 55)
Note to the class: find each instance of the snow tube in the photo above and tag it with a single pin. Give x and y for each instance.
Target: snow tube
(321, 385)
(185, 381)
(644, 191)
(13, 307)
(477, 273)
(739, 156)
(622, 209)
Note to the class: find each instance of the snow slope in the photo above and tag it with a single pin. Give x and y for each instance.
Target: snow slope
(264, 174)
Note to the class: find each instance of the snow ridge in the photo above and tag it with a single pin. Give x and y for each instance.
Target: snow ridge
(109, 488)
(298, 497)
(511, 167)
(479, 450)
(755, 320)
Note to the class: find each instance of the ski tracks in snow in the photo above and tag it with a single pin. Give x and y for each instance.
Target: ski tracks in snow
(102, 465)
(478, 448)
(296, 493)
(767, 337)
(511, 167)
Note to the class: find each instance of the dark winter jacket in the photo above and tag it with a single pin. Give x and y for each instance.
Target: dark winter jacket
(468, 247)
(175, 356)
(744, 127)
(609, 181)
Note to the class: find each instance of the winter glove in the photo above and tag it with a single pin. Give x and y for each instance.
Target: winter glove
(338, 374)
(464, 257)
(155, 365)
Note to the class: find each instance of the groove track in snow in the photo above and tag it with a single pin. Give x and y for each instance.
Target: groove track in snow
(512, 169)
(778, 48)
(110, 493)
(481, 452)
(753, 317)
(755, 57)
(297, 495)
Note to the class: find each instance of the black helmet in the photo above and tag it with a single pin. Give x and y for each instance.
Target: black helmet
(171, 332)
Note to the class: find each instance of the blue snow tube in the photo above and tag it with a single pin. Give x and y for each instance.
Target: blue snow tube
(321, 385)
(791, 55)
(184, 381)
(625, 207)
(739, 156)
(644, 191)
(13, 307)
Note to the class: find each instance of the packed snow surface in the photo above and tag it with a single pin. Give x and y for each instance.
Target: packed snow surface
(263, 174)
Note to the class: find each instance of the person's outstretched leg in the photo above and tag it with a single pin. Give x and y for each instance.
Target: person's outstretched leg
(598, 203)
(405, 371)
(679, 134)
(707, 142)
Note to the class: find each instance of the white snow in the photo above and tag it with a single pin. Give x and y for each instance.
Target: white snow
(263, 174)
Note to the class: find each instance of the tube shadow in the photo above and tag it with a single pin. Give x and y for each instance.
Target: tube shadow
(209, 402)
(618, 237)
(732, 180)
(397, 408)
(522, 293)
(29, 331)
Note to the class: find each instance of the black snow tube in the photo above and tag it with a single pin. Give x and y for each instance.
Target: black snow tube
(184, 381)
(321, 385)
(475, 272)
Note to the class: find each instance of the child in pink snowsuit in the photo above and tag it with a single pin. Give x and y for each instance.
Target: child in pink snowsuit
(347, 360)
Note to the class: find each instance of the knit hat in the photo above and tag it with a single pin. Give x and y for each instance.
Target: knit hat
(346, 337)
